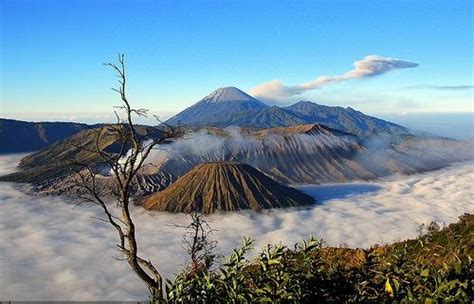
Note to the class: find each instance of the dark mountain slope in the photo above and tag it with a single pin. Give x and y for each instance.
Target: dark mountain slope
(266, 118)
(22, 136)
(346, 119)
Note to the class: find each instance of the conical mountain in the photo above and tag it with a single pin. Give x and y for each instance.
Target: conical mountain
(217, 108)
(224, 186)
(232, 94)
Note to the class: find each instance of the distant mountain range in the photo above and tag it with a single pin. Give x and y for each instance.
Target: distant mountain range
(224, 107)
(230, 106)
(22, 136)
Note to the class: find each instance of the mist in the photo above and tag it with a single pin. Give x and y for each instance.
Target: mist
(51, 251)
(9, 162)
(314, 158)
(202, 143)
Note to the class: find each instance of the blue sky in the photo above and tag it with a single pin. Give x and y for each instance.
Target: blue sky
(179, 51)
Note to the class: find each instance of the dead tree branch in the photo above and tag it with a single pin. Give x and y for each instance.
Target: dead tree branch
(124, 166)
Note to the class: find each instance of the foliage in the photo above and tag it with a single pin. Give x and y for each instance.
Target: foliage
(434, 268)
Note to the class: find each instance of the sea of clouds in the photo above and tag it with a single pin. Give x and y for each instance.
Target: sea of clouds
(51, 251)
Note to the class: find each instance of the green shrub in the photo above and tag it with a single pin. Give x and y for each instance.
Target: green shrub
(435, 268)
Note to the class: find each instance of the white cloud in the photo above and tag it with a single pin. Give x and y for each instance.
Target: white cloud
(48, 251)
(9, 162)
(443, 87)
(370, 66)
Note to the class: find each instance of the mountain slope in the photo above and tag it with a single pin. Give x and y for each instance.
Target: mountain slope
(290, 155)
(22, 136)
(265, 118)
(53, 162)
(217, 107)
(346, 119)
(297, 154)
(212, 187)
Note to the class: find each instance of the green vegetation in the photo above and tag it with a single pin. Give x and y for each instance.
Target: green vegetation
(434, 268)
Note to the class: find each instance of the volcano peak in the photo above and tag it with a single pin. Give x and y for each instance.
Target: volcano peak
(224, 186)
(226, 94)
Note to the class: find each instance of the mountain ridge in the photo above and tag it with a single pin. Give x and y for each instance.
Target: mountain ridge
(24, 136)
(227, 106)
(230, 106)
(299, 154)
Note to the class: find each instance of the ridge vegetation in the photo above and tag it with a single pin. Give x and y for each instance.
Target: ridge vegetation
(436, 267)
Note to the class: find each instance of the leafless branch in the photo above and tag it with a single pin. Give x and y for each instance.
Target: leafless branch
(124, 164)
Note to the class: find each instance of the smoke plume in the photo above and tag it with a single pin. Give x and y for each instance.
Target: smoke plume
(370, 66)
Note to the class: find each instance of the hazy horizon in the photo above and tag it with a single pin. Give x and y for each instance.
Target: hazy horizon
(452, 125)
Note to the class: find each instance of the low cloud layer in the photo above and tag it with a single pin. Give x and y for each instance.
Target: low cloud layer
(203, 143)
(48, 251)
(372, 65)
(9, 162)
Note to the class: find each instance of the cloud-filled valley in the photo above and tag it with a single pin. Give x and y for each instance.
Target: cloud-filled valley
(50, 251)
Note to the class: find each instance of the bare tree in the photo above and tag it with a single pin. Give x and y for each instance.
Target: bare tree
(198, 244)
(125, 164)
